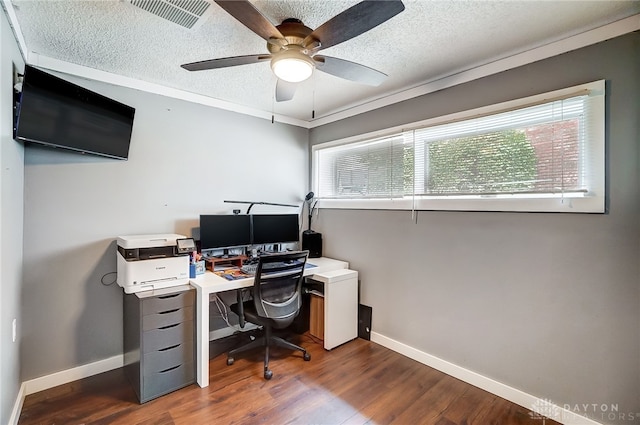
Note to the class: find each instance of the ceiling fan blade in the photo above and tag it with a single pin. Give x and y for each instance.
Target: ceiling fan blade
(225, 62)
(354, 21)
(284, 90)
(349, 70)
(250, 17)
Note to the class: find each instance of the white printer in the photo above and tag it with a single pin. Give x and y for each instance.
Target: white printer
(148, 262)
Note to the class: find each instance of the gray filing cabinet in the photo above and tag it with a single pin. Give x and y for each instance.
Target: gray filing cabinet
(159, 339)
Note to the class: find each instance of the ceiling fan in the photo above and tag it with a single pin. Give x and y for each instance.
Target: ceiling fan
(293, 47)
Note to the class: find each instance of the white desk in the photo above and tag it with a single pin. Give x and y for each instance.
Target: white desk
(209, 283)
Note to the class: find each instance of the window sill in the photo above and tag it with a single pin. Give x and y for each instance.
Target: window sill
(513, 203)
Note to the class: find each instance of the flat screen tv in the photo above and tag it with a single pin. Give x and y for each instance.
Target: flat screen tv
(57, 113)
(275, 228)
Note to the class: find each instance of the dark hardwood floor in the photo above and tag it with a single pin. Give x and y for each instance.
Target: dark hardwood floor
(357, 383)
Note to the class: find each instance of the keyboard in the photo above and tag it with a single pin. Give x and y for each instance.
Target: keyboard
(253, 267)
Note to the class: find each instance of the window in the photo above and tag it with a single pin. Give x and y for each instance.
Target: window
(543, 153)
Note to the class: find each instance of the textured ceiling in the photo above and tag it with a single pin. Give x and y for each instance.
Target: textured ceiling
(427, 41)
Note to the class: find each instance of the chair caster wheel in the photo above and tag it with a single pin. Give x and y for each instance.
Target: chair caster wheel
(268, 374)
(306, 357)
(229, 361)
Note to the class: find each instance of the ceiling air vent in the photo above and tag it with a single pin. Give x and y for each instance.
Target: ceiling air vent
(185, 13)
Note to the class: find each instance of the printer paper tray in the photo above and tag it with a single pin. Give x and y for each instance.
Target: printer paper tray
(155, 284)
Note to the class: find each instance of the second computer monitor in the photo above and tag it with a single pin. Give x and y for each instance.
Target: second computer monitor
(275, 228)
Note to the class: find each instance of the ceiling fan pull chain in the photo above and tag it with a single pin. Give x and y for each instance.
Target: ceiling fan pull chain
(313, 100)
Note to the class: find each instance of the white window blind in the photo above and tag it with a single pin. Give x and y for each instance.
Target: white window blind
(373, 169)
(531, 150)
(533, 154)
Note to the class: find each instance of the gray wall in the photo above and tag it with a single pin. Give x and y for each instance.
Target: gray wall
(185, 159)
(545, 303)
(11, 181)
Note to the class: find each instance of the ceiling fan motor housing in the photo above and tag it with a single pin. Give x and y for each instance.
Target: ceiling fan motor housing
(293, 46)
(294, 32)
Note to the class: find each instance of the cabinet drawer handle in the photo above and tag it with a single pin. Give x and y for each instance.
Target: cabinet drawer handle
(164, 297)
(169, 311)
(169, 326)
(170, 348)
(170, 369)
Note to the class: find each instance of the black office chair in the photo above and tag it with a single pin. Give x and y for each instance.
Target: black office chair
(276, 301)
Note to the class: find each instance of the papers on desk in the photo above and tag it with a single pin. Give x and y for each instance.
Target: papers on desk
(232, 274)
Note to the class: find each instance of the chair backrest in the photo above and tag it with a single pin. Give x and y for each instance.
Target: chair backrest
(277, 291)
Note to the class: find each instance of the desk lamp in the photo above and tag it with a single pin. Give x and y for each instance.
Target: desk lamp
(311, 241)
(252, 203)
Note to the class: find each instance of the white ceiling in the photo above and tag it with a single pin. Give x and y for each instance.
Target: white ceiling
(430, 44)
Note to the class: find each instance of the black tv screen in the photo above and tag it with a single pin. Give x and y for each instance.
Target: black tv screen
(57, 113)
(275, 228)
(219, 231)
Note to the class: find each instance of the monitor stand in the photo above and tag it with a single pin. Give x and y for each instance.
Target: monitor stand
(234, 261)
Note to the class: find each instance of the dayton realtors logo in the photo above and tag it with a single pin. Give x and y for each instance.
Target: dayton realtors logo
(544, 409)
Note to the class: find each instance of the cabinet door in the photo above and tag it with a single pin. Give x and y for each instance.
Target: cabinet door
(163, 303)
(165, 381)
(167, 318)
(316, 316)
(165, 359)
(162, 338)
(340, 312)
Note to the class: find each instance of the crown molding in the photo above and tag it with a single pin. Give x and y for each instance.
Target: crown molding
(495, 66)
(52, 64)
(444, 81)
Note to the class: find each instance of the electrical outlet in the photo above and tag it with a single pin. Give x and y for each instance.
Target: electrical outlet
(15, 329)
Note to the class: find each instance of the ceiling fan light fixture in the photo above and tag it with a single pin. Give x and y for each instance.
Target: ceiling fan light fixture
(292, 65)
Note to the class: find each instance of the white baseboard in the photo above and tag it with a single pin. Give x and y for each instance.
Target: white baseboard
(17, 406)
(49, 381)
(70, 375)
(514, 395)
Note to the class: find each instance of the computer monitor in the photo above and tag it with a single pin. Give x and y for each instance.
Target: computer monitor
(275, 228)
(220, 231)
